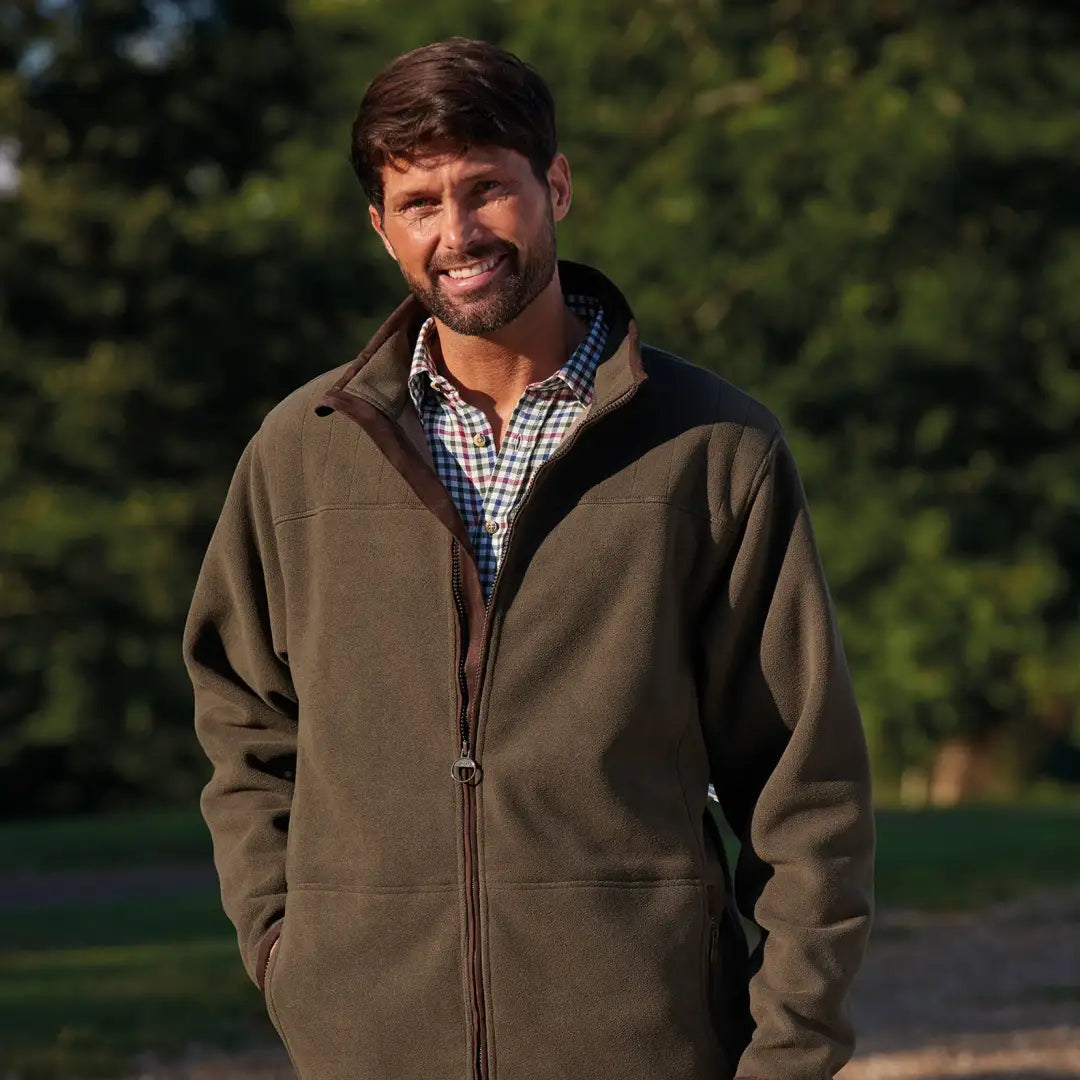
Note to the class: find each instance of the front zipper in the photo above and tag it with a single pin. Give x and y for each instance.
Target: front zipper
(560, 451)
(467, 773)
(465, 769)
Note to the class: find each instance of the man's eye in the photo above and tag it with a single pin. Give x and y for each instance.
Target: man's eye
(419, 204)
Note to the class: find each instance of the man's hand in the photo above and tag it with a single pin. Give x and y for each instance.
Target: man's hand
(269, 961)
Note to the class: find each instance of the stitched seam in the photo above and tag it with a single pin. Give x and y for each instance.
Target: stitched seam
(601, 883)
(695, 831)
(300, 514)
(755, 486)
(300, 444)
(645, 500)
(627, 883)
(409, 505)
(709, 448)
(738, 445)
(354, 467)
(329, 435)
(320, 887)
(759, 478)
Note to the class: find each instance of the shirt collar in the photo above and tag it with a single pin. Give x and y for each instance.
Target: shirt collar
(577, 374)
(378, 377)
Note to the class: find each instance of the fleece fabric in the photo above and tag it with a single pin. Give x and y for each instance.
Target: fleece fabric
(479, 834)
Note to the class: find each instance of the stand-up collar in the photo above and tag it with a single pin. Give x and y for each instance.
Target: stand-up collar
(380, 374)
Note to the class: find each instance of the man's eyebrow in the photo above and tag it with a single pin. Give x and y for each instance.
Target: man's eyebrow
(403, 197)
(482, 172)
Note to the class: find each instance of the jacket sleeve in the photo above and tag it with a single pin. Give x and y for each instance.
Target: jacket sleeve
(789, 762)
(245, 710)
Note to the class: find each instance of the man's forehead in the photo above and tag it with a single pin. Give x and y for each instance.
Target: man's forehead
(438, 162)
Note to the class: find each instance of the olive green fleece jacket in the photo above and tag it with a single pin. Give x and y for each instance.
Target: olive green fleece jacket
(480, 835)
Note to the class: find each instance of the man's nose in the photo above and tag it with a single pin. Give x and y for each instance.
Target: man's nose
(460, 227)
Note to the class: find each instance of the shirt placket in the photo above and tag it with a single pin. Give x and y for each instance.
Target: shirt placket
(479, 459)
(502, 486)
(498, 479)
(522, 443)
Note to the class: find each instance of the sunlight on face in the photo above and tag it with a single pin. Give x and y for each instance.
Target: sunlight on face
(473, 233)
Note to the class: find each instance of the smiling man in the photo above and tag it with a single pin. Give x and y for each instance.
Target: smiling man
(486, 611)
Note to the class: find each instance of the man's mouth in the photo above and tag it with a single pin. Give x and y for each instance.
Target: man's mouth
(473, 269)
(475, 274)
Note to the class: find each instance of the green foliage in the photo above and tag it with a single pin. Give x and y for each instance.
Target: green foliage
(862, 213)
(163, 286)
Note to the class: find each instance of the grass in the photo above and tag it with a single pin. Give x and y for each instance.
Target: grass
(160, 836)
(110, 1002)
(83, 987)
(970, 856)
(169, 920)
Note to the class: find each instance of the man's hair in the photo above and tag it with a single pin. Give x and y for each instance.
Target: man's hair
(446, 97)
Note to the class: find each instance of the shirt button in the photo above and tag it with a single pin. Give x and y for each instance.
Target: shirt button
(480, 440)
(491, 527)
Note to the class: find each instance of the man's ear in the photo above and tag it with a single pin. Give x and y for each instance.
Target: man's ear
(376, 223)
(560, 187)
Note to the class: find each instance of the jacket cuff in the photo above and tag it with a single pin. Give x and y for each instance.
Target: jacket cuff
(262, 952)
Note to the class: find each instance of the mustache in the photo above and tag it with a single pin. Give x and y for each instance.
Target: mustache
(466, 258)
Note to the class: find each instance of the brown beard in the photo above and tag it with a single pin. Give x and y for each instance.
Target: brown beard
(518, 286)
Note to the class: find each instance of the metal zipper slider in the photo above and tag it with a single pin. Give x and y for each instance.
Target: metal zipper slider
(465, 770)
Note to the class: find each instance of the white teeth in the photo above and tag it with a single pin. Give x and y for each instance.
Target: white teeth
(472, 271)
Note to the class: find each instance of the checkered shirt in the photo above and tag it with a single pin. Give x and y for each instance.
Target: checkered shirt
(488, 486)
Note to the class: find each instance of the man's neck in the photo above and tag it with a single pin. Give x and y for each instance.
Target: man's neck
(492, 371)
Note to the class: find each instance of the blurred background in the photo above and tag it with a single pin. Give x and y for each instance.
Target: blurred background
(867, 214)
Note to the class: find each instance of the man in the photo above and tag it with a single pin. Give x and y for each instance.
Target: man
(486, 611)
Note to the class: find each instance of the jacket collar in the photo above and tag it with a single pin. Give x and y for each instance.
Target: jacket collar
(380, 374)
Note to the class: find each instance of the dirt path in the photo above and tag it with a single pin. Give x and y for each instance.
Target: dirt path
(53, 888)
(988, 994)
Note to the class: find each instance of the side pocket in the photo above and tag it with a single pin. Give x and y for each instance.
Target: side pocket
(714, 898)
(713, 975)
(729, 956)
(714, 950)
(268, 994)
(728, 976)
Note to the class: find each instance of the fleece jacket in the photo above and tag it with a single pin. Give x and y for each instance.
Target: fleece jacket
(479, 833)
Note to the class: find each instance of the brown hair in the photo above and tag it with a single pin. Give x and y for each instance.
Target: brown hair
(448, 96)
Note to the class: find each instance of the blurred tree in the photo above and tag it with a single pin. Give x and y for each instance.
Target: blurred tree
(172, 265)
(865, 214)
(862, 213)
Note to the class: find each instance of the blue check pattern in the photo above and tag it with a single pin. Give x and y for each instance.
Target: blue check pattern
(489, 485)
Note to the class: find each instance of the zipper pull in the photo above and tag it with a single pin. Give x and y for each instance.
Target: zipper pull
(714, 938)
(465, 770)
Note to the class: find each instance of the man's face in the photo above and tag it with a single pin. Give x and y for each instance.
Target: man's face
(473, 234)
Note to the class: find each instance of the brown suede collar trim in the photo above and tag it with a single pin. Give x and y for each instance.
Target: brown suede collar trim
(380, 373)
